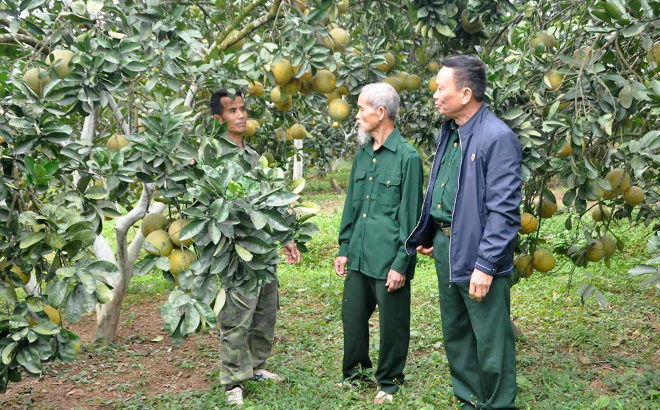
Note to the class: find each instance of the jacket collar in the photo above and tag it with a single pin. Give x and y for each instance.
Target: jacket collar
(391, 142)
(469, 127)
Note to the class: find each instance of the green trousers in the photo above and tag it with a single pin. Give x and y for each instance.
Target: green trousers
(478, 338)
(247, 333)
(361, 295)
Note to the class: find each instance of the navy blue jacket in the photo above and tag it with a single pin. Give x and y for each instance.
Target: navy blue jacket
(486, 213)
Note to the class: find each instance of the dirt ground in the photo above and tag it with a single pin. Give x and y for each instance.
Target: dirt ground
(134, 363)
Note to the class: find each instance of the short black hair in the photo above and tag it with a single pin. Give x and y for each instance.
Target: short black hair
(216, 104)
(470, 72)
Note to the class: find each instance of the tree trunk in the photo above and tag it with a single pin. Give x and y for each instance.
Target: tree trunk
(335, 186)
(298, 160)
(107, 315)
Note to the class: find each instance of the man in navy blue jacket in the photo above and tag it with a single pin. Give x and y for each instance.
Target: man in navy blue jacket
(470, 218)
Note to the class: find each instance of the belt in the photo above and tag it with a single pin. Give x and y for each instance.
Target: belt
(446, 229)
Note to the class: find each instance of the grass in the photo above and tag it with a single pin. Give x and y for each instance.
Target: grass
(572, 355)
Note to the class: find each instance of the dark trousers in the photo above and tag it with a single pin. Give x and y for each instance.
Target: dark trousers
(478, 338)
(361, 295)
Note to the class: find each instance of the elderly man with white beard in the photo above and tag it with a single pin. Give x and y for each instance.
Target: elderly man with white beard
(382, 205)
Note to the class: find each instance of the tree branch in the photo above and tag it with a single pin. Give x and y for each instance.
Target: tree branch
(7, 24)
(89, 127)
(23, 39)
(249, 28)
(116, 112)
(137, 242)
(190, 97)
(128, 220)
(623, 58)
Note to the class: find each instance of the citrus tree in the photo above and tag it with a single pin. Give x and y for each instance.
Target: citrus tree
(104, 114)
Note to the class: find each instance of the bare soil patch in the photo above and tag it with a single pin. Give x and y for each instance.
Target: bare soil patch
(134, 363)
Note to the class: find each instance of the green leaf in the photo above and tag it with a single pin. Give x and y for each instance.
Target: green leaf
(29, 359)
(625, 96)
(8, 294)
(56, 290)
(73, 308)
(8, 353)
(191, 320)
(513, 113)
(31, 239)
(46, 327)
(192, 228)
(178, 298)
(145, 265)
(220, 301)
(243, 253)
(633, 29)
(171, 317)
(281, 199)
(254, 245)
(206, 313)
(96, 193)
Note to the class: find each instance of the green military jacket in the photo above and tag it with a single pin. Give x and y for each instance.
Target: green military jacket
(382, 205)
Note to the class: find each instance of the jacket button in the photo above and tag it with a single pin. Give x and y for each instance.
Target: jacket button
(455, 144)
(367, 196)
(439, 206)
(373, 160)
(364, 215)
(442, 185)
(371, 178)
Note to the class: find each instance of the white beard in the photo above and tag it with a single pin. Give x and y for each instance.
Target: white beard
(363, 137)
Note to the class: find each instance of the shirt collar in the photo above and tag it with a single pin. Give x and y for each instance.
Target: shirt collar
(391, 142)
(468, 127)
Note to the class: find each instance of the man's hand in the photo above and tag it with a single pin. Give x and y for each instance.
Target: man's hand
(291, 253)
(479, 285)
(425, 251)
(395, 280)
(340, 266)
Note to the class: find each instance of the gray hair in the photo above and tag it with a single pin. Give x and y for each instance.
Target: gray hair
(383, 95)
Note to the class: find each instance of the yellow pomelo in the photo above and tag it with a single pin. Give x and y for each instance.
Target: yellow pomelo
(343, 7)
(335, 124)
(542, 37)
(654, 54)
(595, 251)
(609, 244)
(323, 82)
(255, 89)
(339, 110)
(181, 260)
(175, 229)
(553, 79)
(60, 61)
(433, 67)
(160, 240)
(24, 277)
(544, 261)
(251, 128)
(116, 142)
(332, 96)
(601, 213)
(548, 208)
(528, 223)
(343, 90)
(471, 26)
(433, 86)
(277, 96)
(292, 87)
(297, 132)
(282, 71)
(153, 222)
(620, 181)
(336, 39)
(305, 77)
(286, 105)
(413, 82)
(394, 82)
(53, 314)
(31, 78)
(634, 195)
(524, 265)
(388, 64)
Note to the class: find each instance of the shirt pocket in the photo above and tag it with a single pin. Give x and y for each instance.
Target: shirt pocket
(388, 189)
(359, 185)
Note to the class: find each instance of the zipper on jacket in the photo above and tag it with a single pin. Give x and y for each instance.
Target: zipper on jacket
(458, 186)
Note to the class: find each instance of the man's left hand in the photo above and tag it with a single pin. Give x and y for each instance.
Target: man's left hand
(395, 280)
(479, 285)
(291, 253)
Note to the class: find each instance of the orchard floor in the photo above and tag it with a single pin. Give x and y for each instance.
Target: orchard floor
(573, 354)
